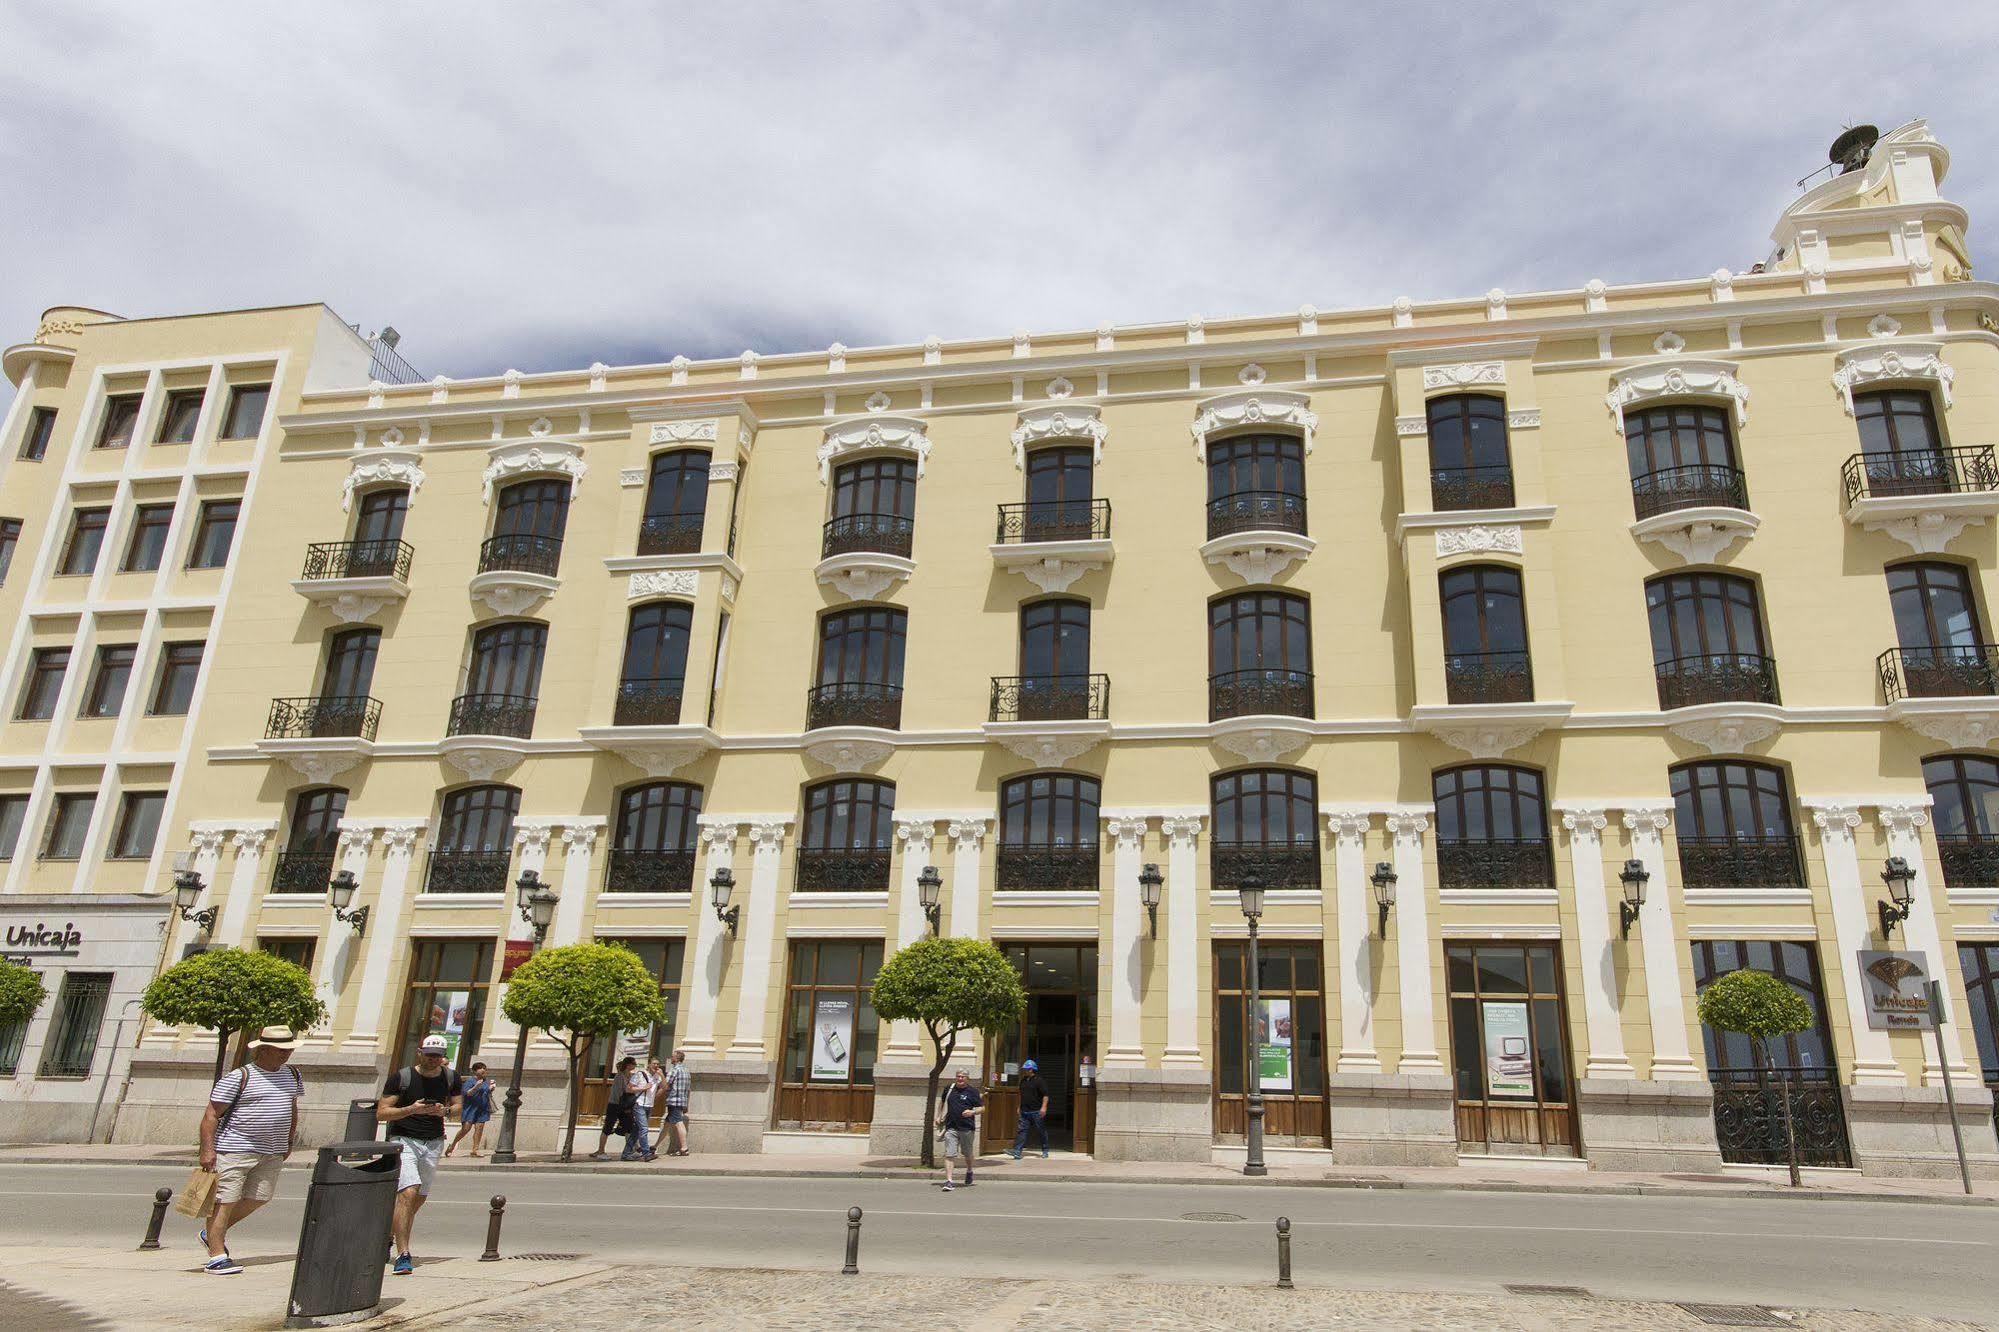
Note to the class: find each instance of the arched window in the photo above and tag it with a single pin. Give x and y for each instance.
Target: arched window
(1259, 655)
(874, 507)
(306, 863)
(1060, 497)
(860, 669)
(378, 533)
(848, 832)
(1256, 483)
(350, 663)
(676, 498)
(1682, 456)
(1492, 828)
(475, 837)
(1733, 823)
(343, 706)
(1266, 823)
(1048, 831)
(1964, 789)
(653, 849)
(1470, 467)
(1054, 682)
(1485, 635)
(528, 522)
(1902, 448)
(502, 681)
(1707, 640)
(655, 666)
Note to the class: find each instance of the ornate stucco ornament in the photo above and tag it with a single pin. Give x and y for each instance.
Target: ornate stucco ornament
(379, 467)
(1252, 407)
(1891, 361)
(901, 433)
(1066, 420)
(1679, 378)
(543, 456)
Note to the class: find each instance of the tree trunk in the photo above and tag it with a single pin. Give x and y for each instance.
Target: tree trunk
(221, 1051)
(1762, 1050)
(576, 1050)
(944, 1053)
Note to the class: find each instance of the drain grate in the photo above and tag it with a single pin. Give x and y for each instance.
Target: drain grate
(1211, 1216)
(1567, 1292)
(1737, 1315)
(544, 1257)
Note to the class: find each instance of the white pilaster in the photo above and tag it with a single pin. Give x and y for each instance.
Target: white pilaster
(578, 837)
(913, 838)
(1599, 967)
(759, 932)
(1903, 823)
(337, 937)
(711, 937)
(1355, 917)
(1873, 1056)
(1665, 1000)
(966, 834)
(385, 929)
(1183, 941)
(1412, 943)
(249, 842)
(1127, 1044)
(531, 839)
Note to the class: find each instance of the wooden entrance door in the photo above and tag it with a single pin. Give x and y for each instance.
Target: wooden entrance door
(1290, 1041)
(1510, 1050)
(1058, 1031)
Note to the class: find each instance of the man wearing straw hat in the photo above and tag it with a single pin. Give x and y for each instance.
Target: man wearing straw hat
(246, 1134)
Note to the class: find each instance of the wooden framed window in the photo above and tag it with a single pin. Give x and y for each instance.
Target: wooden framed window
(86, 540)
(663, 958)
(1732, 819)
(173, 690)
(108, 680)
(1288, 1053)
(75, 1025)
(826, 1079)
(1897, 421)
(13, 814)
(214, 534)
(138, 824)
(181, 414)
(146, 548)
(69, 825)
(41, 427)
(1265, 823)
(121, 417)
(449, 986)
(10, 537)
(45, 672)
(247, 405)
(296, 950)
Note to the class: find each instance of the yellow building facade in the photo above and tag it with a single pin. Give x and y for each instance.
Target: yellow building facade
(1534, 658)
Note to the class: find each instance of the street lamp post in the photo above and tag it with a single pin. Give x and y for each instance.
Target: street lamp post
(929, 887)
(187, 891)
(1901, 892)
(1150, 880)
(1634, 877)
(537, 907)
(340, 892)
(1251, 890)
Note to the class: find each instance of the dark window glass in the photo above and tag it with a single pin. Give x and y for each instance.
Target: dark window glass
(1933, 605)
(862, 646)
(1492, 802)
(1704, 614)
(1467, 430)
(1266, 463)
(296, 951)
(350, 663)
(1483, 611)
(478, 820)
(316, 816)
(656, 641)
(449, 985)
(41, 426)
(177, 420)
(45, 672)
(506, 659)
(881, 486)
(845, 815)
(1680, 435)
(121, 414)
(107, 682)
(68, 825)
(534, 509)
(381, 516)
(659, 816)
(10, 537)
(678, 487)
(86, 539)
(1965, 788)
(1266, 805)
(1259, 631)
(1897, 421)
(1055, 639)
(1061, 476)
(1796, 964)
(1049, 809)
(70, 1048)
(214, 534)
(13, 812)
(138, 824)
(147, 547)
(1731, 800)
(246, 411)
(173, 692)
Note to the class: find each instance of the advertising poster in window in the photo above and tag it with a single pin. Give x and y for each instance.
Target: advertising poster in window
(1509, 1053)
(832, 1038)
(448, 1011)
(1273, 1045)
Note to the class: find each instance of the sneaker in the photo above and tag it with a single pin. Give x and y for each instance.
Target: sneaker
(600, 1156)
(1015, 1155)
(966, 1185)
(404, 1265)
(949, 1186)
(223, 1266)
(1044, 1153)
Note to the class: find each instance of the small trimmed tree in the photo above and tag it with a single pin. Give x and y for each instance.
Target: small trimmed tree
(229, 990)
(577, 993)
(1759, 1006)
(21, 993)
(951, 986)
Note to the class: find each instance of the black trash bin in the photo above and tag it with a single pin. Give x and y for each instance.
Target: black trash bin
(362, 1126)
(344, 1243)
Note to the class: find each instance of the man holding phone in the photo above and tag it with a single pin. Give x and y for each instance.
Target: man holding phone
(414, 1103)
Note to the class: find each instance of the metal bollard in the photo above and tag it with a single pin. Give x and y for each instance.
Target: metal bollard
(1284, 1253)
(853, 1267)
(492, 1254)
(160, 1200)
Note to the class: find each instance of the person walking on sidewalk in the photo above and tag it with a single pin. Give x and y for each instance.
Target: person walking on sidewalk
(617, 1111)
(679, 1087)
(477, 1113)
(1033, 1109)
(413, 1104)
(962, 1107)
(246, 1133)
(638, 1145)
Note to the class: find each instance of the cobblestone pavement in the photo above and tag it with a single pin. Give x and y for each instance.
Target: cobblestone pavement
(719, 1298)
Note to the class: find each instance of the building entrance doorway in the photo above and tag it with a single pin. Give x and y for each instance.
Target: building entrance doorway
(1288, 1053)
(1059, 1033)
(1510, 1050)
(1748, 1098)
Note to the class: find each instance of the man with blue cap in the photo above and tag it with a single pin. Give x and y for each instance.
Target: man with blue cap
(1033, 1109)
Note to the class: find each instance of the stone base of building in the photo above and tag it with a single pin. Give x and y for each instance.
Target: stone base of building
(1906, 1131)
(1394, 1119)
(1154, 1114)
(900, 1091)
(729, 1106)
(1632, 1125)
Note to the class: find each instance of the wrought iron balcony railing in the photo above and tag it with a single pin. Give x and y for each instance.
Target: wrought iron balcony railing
(358, 559)
(1471, 487)
(1694, 486)
(649, 872)
(1292, 863)
(1488, 677)
(323, 718)
(874, 533)
(1259, 692)
(1750, 1122)
(467, 872)
(842, 869)
(1056, 868)
(648, 702)
(1717, 677)
(1256, 511)
(492, 714)
(301, 871)
(854, 703)
(1496, 862)
(1886, 474)
(670, 534)
(1055, 520)
(1018, 698)
(1770, 860)
(1967, 671)
(521, 552)
(1970, 860)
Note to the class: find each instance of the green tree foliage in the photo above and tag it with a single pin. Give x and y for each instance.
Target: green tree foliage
(229, 990)
(578, 993)
(1759, 1006)
(951, 986)
(21, 992)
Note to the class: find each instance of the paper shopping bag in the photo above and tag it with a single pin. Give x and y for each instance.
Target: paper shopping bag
(197, 1196)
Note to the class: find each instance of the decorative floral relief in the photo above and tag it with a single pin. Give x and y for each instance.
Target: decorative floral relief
(682, 432)
(1059, 388)
(1251, 374)
(1910, 360)
(663, 583)
(1478, 539)
(1260, 406)
(1465, 375)
(1883, 326)
(1680, 379)
(877, 401)
(1078, 421)
(1669, 344)
(561, 459)
(373, 469)
(881, 432)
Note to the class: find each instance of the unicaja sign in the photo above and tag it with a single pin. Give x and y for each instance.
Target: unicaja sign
(1896, 995)
(39, 940)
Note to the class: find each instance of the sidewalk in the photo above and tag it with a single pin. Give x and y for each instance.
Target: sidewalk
(1478, 1176)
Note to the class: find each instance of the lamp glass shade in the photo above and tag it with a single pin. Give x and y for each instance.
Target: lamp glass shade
(187, 889)
(541, 907)
(1634, 876)
(1900, 880)
(525, 888)
(340, 889)
(1251, 892)
(1383, 879)
(929, 886)
(720, 887)
(1149, 883)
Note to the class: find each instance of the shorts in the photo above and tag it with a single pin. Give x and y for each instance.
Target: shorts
(246, 1177)
(959, 1142)
(475, 1114)
(676, 1114)
(419, 1164)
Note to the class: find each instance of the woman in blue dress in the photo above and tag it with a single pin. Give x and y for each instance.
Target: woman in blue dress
(474, 1112)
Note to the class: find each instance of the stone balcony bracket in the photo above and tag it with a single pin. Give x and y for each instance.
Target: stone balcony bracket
(1052, 566)
(1698, 535)
(1488, 730)
(864, 575)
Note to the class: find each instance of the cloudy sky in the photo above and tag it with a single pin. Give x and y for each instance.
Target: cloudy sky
(510, 186)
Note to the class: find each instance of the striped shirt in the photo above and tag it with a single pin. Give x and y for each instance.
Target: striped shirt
(678, 1081)
(261, 1121)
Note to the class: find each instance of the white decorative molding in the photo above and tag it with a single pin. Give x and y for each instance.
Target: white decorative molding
(663, 583)
(914, 834)
(631, 478)
(1957, 723)
(1251, 375)
(1700, 535)
(544, 457)
(352, 600)
(533, 836)
(933, 350)
(683, 432)
(678, 368)
(1902, 816)
(512, 592)
(729, 586)
(401, 838)
(1058, 388)
(1487, 740)
(877, 402)
(1261, 739)
(746, 365)
(849, 748)
(1257, 557)
(1251, 407)
(481, 762)
(1197, 329)
(1926, 523)
(1126, 830)
(1308, 320)
(1067, 421)
(1726, 728)
(1488, 730)
(659, 760)
(379, 467)
(836, 359)
(1682, 378)
(541, 427)
(1181, 830)
(377, 394)
(1052, 566)
(1595, 296)
(1479, 539)
(1721, 285)
(1023, 345)
(392, 437)
(966, 833)
(1464, 375)
(903, 434)
(598, 374)
(440, 388)
(1896, 362)
(510, 384)
(319, 760)
(1051, 743)
(1584, 821)
(1406, 426)
(1883, 326)
(1669, 343)
(863, 575)
(1402, 313)
(718, 833)
(723, 471)
(657, 751)
(1525, 418)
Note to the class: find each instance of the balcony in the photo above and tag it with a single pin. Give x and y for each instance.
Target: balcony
(648, 702)
(1496, 862)
(1730, 862)
(323, 718)
(1259, 692)
(1069, 869)
(1454, 488)
(862, 555)
(649, 872)
(854, 703)
(355, 579)
(1488, 677)
(516, 572)
(510, 715)
(842, 870)
(1257, 533)
(467, 872)
(1970, 860)
(301, 871)
(1696, 486)
(1280, 863)
(1923, 498)
(1717, 677)
(670, 534)
(1025, 698)
(1256, 511)
(1054, 542)
(1967, 671)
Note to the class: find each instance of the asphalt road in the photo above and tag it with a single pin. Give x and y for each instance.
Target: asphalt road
(1920, 1258)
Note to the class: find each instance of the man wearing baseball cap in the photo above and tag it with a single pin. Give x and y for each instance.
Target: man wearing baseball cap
(1033, 1109)
(246, 1134)
(414, 1103)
